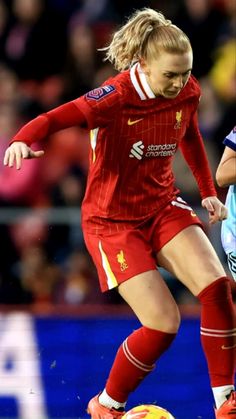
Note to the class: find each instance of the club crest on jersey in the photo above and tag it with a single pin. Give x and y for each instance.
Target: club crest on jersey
(178, 117)
(100, 92)
(121, 260)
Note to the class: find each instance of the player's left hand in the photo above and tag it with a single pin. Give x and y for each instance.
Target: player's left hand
(216, 209)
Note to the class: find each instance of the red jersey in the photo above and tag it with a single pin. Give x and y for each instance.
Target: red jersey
(134, 137)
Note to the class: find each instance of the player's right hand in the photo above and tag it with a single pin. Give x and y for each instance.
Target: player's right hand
(18, 151)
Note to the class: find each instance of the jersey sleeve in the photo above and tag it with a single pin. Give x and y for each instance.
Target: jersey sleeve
(62, 117)
(94, 109)
(193, 150)
(100, 105)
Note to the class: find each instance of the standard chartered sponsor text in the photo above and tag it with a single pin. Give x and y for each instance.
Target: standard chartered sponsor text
(156, 150)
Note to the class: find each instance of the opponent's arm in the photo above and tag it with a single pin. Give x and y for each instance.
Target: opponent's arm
(226, 170)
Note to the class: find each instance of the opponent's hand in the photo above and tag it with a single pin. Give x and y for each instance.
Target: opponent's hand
(18, 151)
(217, 210)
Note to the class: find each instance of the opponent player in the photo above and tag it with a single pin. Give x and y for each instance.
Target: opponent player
(133, 218)
(226, 176)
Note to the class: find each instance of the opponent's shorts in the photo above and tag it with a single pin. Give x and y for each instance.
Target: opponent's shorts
(122, 255)
(231, 258)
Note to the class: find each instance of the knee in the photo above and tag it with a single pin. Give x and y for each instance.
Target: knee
(166, 320)
(172, 320)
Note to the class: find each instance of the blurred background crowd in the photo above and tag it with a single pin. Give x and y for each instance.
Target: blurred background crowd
(49, 55)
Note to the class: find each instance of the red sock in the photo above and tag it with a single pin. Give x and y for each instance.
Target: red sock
(135, 358)
(218, 331)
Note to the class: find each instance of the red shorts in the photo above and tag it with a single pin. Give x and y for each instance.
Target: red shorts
(122, 255)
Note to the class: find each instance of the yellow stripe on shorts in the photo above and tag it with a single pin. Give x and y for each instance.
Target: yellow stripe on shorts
(111, 279)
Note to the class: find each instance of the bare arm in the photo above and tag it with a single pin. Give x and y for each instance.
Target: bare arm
(226, 171)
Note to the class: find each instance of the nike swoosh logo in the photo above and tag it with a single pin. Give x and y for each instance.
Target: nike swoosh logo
(135, 121)
(193, 214)
(228, 347)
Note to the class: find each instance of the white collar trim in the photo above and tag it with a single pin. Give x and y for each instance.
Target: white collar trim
(140, 84)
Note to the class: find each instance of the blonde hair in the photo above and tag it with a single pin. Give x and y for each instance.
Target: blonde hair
(145, 34)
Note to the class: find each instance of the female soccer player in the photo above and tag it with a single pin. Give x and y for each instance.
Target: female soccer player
(226, 176)
(133, 218)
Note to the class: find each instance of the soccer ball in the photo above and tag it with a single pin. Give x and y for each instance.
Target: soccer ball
(148, 411)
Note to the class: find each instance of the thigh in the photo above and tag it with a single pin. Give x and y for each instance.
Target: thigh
(191, 258)
(174, 218)
(150, 299)
(120, 256)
